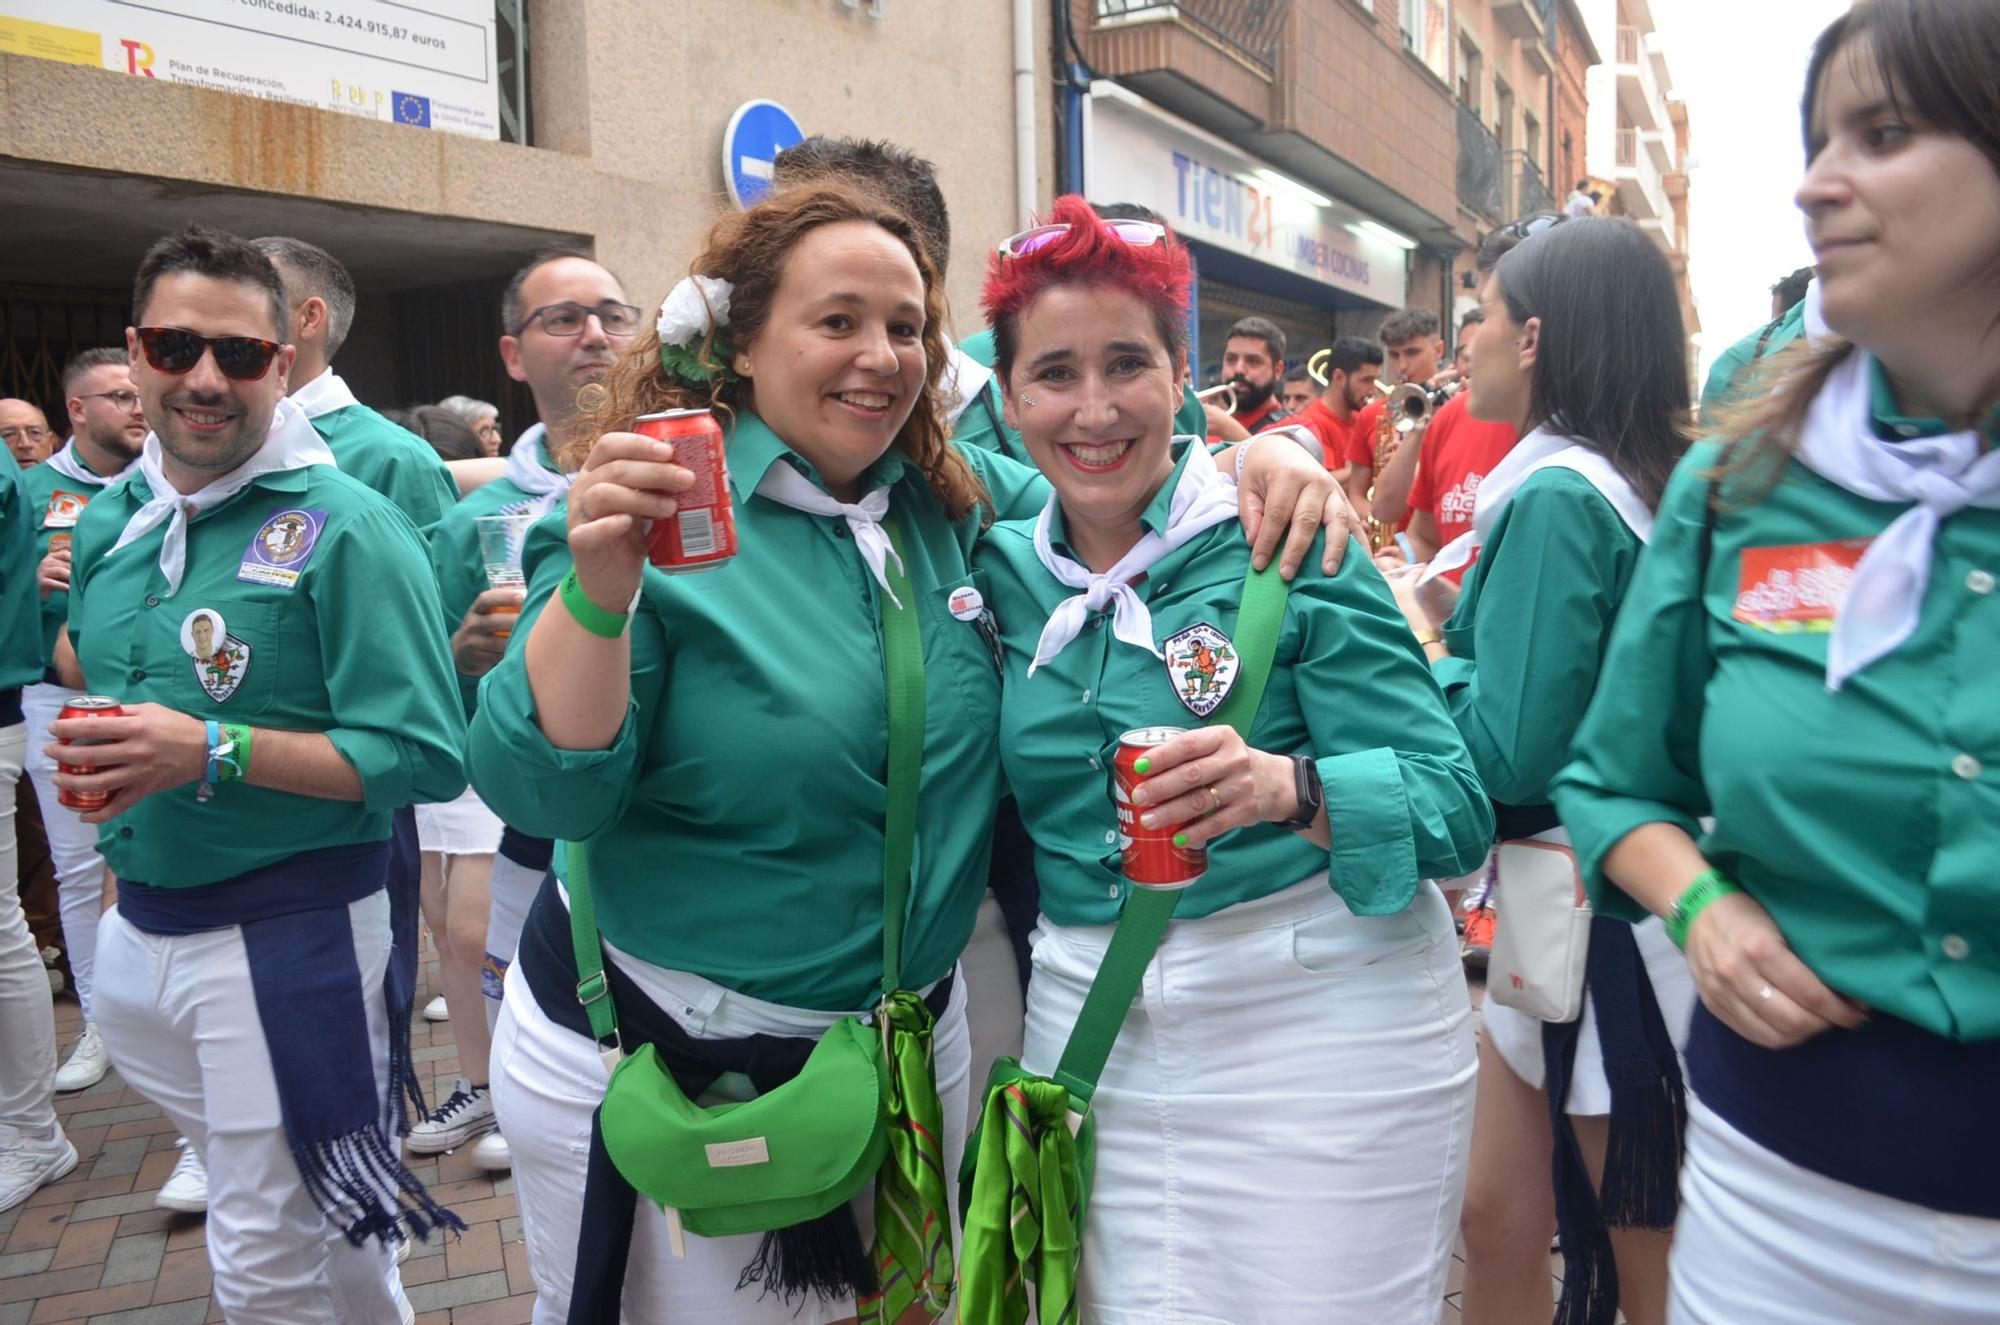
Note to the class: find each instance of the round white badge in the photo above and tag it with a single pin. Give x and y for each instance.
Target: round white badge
(965, 603)
(203, 633)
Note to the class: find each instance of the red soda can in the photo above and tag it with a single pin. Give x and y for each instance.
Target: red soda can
(701, 535)
(1149, 856)
(85, 706)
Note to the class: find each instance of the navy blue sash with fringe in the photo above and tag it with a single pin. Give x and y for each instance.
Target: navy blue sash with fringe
(306, 980)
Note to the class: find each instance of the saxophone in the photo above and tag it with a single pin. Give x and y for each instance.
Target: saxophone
(1405, 409)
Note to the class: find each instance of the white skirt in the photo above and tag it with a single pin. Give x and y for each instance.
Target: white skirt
(462, 827)
(1762, 1239)
(1283, 1125)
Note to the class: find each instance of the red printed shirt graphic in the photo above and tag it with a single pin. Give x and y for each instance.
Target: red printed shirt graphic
(1796, 588)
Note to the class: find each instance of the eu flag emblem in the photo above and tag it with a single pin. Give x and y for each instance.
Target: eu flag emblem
(413, 109)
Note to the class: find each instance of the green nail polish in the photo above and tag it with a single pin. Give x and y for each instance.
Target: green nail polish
(1142, 764)
(1180, 839)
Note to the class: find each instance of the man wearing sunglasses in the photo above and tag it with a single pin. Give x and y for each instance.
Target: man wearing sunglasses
(319, 296)
(244, 979)
(107, 428)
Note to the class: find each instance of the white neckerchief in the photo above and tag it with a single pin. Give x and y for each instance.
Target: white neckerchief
(963, 379)
(1202, 499)
(64, 462)
(1817, 331)
(291, 444)
(528, 470)
(1940, 475)
(1540, 449)
(786, 486)
(323, 395)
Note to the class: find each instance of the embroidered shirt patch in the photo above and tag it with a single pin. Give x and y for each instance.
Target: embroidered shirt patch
(1202, 664)
(64, 508)
(278, 552)
(1787, 590)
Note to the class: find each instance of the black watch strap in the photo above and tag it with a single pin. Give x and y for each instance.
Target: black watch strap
(1312, 796)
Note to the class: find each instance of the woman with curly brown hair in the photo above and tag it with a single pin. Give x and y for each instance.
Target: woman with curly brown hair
(719, 741)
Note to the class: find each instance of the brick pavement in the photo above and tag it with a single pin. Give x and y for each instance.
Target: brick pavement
(92, 1249)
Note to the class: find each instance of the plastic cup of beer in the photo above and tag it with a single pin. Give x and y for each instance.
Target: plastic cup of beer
(500, 539)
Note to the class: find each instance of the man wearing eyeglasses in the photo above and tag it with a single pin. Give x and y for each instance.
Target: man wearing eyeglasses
(25, 429)
(107, 428)
(563, 319)
(394, 461)
(246, 980)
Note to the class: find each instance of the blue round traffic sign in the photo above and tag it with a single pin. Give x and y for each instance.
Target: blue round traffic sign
(757, 132)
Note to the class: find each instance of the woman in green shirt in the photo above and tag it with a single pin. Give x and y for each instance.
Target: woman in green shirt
(1583, 351)
(722, 747)
(1304, 1027)
(1807, 656)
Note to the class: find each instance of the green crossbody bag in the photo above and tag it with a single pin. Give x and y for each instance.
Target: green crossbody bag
(1024, 1187)
(863, 1107)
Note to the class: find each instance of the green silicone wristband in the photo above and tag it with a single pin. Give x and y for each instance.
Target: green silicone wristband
(1707, 886)
(607, 625)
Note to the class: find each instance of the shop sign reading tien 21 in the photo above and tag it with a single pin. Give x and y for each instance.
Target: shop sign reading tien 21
(1208, 191)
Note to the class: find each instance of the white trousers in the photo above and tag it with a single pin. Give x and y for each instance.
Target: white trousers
(547, 1083)
(72, 842)
(179, 1016)
(993, 998)
(27, 1013)
(513, 892)
(1283, 1126)
(1762, 1239)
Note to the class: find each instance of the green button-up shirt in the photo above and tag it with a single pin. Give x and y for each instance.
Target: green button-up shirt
(1730, 372)
(1528, 637)
(42, 483)
(20, 631)
(1348, 686)
(1866, 822)
(736, 820)
(394, 461)
(355, 649)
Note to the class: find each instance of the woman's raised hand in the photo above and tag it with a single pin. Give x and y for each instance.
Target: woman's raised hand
(629, 481)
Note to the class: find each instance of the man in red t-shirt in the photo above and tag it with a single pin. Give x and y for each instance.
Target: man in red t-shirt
(1253, 361)
(1351, 367)
(1413, 351)
(1459, 452)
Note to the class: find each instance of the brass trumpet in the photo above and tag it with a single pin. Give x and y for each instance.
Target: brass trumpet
(1316, 366)
(1405, 409)
(1227, 393)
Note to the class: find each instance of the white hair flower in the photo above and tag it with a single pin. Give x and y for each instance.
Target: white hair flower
(686, 312)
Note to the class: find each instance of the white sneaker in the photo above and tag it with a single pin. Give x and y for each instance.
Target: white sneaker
(435, 1010)
(27, 1166)
(186, 1188)
(466, 1114)
(87, 1064)
(492, 1153)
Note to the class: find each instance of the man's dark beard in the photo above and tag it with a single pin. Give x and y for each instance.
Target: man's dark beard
(1251, 398)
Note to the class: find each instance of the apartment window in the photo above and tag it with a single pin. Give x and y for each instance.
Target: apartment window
(1531, 129)
(1469, 61)
(1503, 104)
(1426, 26)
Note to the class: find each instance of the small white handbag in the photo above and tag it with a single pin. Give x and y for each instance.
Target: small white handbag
(1542, 931)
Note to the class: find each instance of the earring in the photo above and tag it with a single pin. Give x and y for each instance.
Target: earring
(1027, 400)
(742, 366)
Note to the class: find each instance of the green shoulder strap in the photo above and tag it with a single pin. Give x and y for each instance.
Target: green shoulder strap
(1259, 620)
(903, 670)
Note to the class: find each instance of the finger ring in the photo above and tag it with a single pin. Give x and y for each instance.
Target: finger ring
(1764, 993)
(1215, 797)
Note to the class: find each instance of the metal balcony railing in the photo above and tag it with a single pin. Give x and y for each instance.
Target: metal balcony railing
(1535, 195)
(1482, 182)
(1251, 28)
(1628, 44)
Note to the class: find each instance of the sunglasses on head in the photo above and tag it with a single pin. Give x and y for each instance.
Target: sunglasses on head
(241, 358)
(1135, 234)
(1530, 226)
